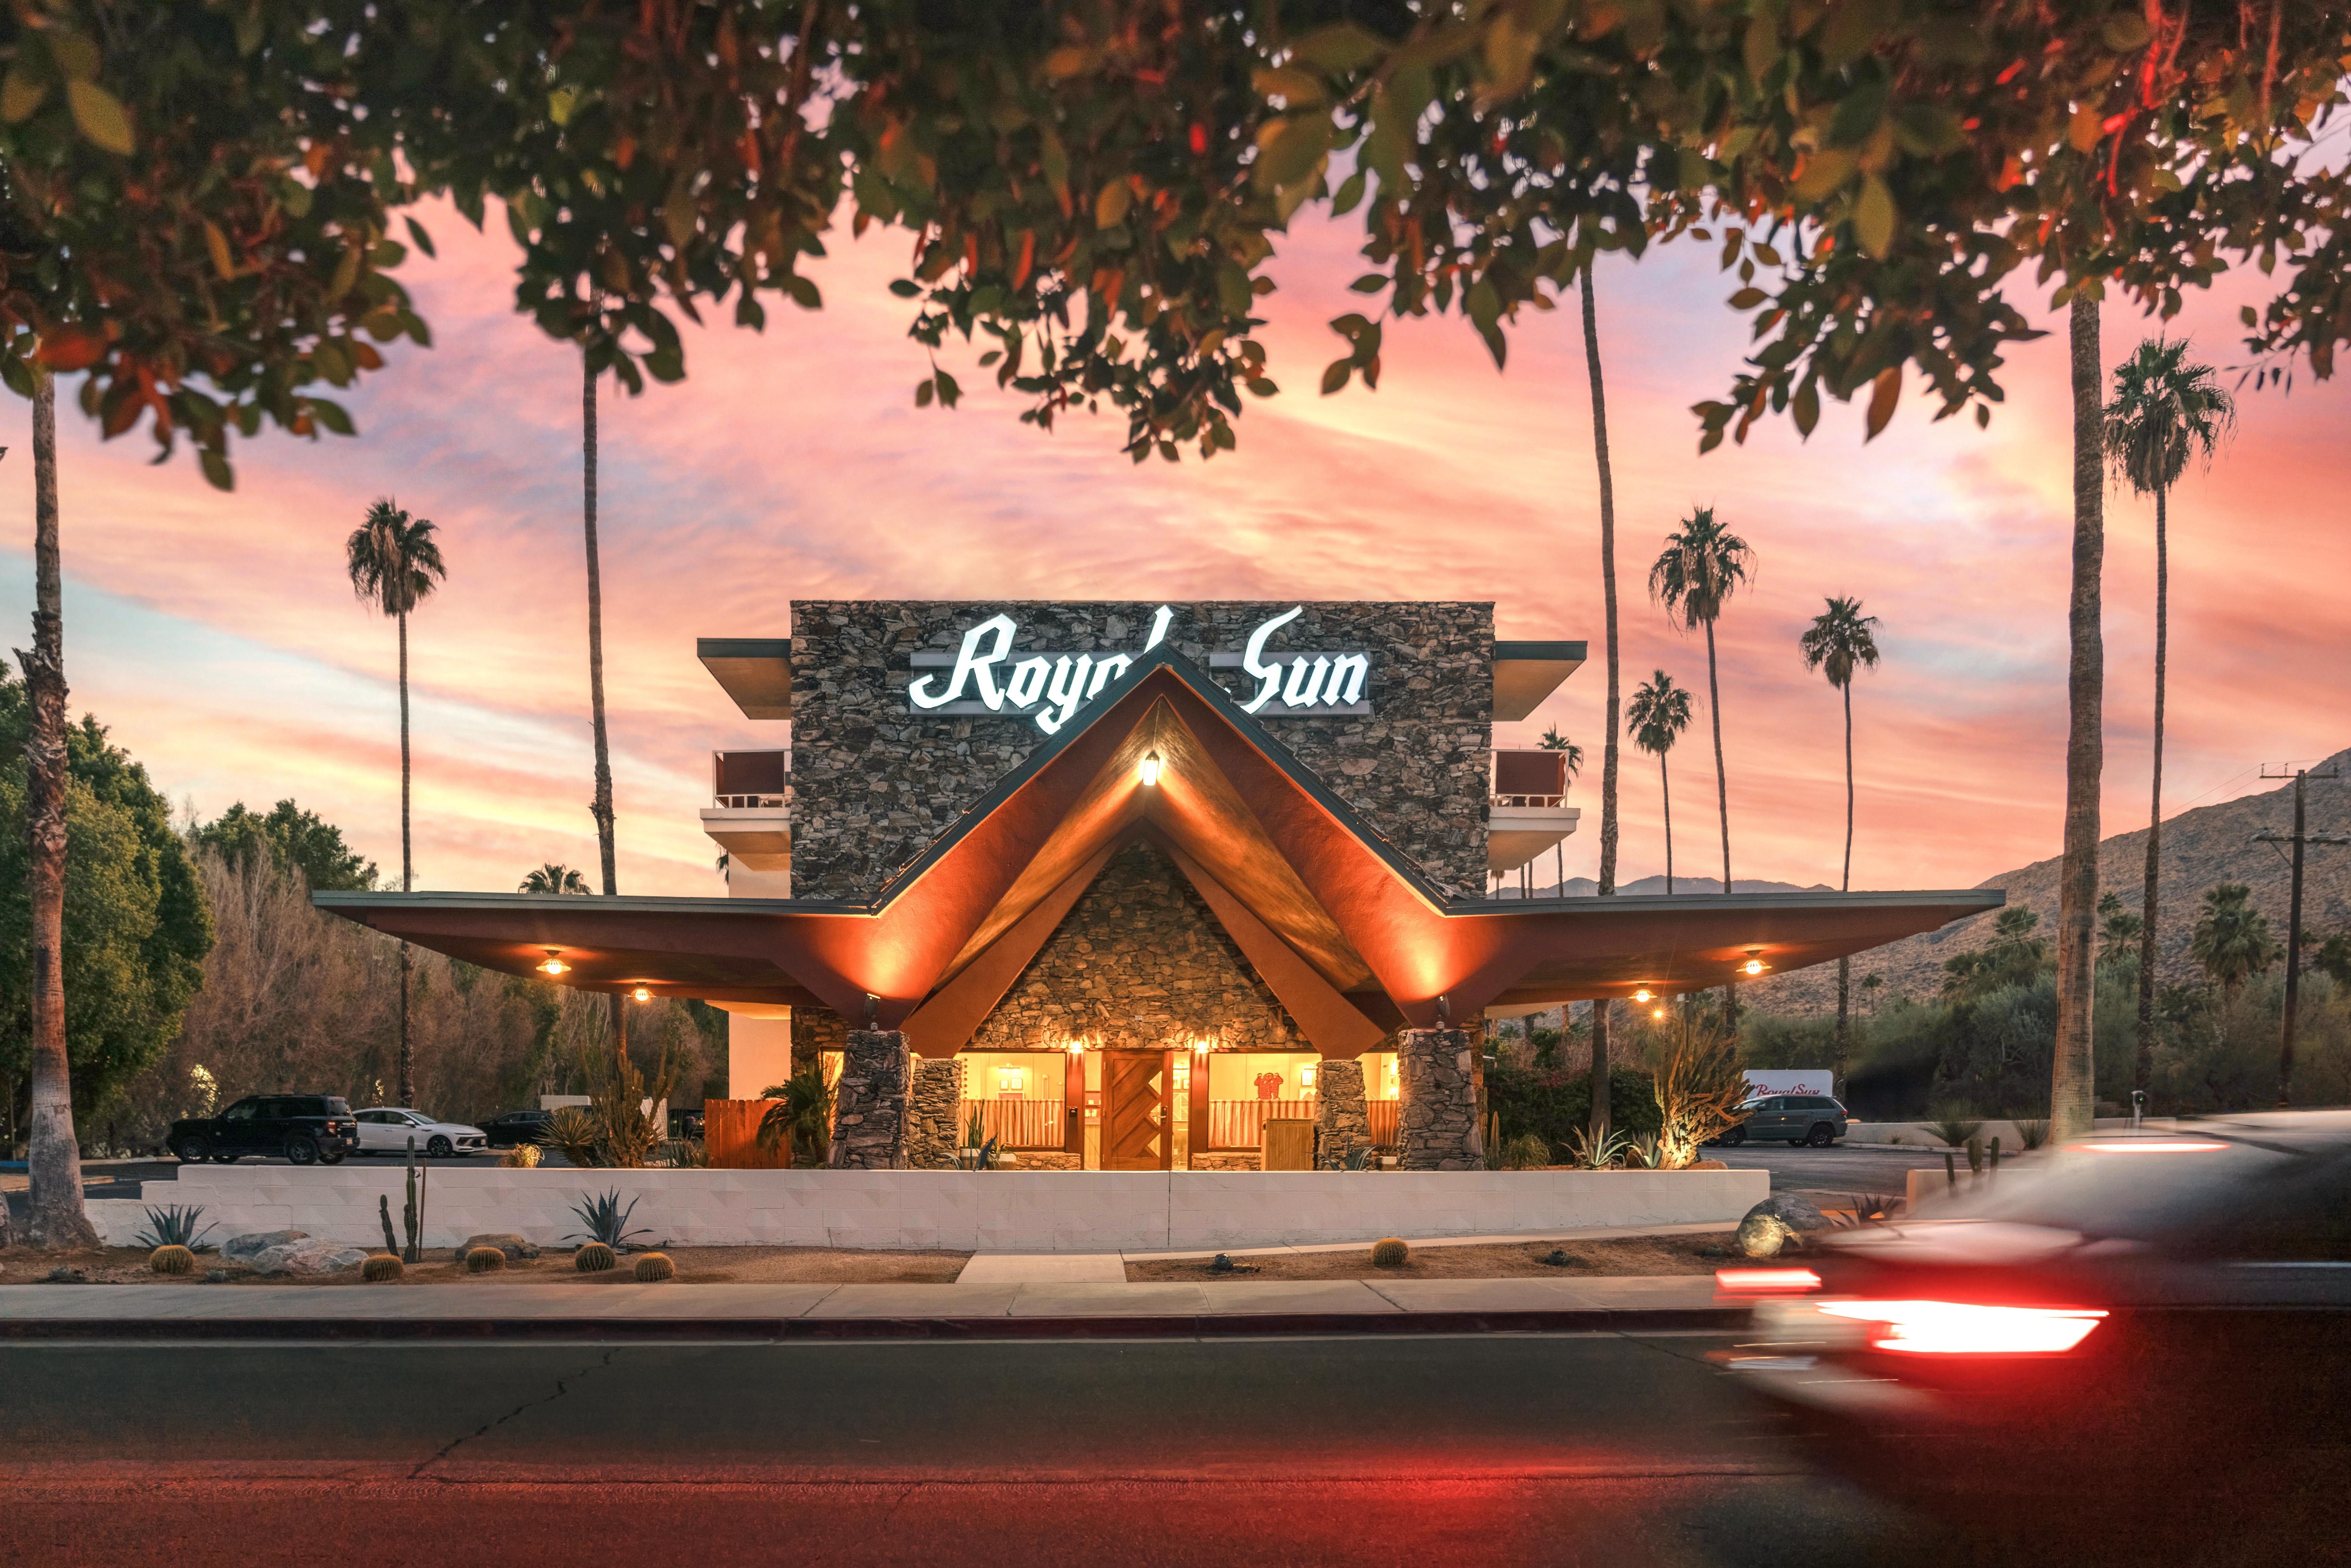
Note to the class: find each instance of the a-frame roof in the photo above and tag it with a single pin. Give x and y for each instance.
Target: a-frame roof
(1353, 935)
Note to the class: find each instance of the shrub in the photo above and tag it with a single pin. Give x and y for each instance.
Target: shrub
(1390, 1253)
(521, 1157)
(485, 1260)
(801, 1121)
(1952, 1129)
(577, 1134)
(1556, 1103)
(1699, 1087)
(655, 1267)
(173, 1227)
(382, 1266)
(2031, 1132)
(1525, 1151)
(606, 1220)
(170, 1259)
(685, 1153)
(593, 1258)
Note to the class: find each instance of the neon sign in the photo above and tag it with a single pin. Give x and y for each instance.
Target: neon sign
(1049, 688)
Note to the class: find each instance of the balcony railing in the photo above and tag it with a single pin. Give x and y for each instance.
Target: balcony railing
(750, 780)
(1536, 779)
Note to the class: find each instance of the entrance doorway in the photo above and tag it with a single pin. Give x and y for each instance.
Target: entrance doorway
(1136, 1137)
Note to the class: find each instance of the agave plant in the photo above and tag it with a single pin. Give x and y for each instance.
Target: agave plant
(2031, 1132)
(1954, 1130)
(1647, 1152)
(173, 1227)
(1583, 1153)
(606, 1220)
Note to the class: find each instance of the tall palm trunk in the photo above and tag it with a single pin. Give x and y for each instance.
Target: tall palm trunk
(1666, 784)
(1844, 964)
(56, 1218)
(2073, 1078)
(1722, 802)
(407, 1073)
(2145, 1067)
(1600, 1110)
(602, 808)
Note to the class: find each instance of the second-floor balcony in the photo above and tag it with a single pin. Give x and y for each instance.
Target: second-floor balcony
(1526, 809)
(749, 814)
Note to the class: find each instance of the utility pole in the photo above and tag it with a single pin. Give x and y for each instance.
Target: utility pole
(2298, 838)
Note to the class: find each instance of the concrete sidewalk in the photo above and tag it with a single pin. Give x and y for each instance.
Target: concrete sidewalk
(1173, 1310)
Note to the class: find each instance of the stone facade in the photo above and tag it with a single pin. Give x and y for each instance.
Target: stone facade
(814, 1031)
(1342, 1120)
(875, 782)
(1436, 1076)
(1224, 1162)
(931, 1111)
(1139, 963)
(869, 1102)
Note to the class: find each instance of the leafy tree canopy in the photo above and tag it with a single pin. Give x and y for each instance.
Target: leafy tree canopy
(137, 925)
(289, 837)
(1095, 185)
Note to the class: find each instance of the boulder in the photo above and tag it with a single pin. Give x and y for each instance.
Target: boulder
(506, 1241)
(307, 1256)
(1776, 1221)
(1706, 1165)
(244, 1249)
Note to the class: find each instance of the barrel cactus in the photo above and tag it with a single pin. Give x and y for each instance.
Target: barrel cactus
(655, 1267)
(483, 1261)
(522, 1156)
(593, 1258)
(172, 1258)
(381, 1267)
(1390, 1253)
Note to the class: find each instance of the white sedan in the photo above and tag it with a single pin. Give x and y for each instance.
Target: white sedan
(386, 1129)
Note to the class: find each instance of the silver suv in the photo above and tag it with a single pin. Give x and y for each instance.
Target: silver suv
(1814, 1119)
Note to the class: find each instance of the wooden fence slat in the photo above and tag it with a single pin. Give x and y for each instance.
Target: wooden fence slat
(730, 1132)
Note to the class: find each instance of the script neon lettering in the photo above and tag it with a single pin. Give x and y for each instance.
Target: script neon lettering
(1065, 692)
(970, 665)
(1269, 676)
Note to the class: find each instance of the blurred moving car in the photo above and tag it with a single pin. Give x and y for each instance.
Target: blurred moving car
(304, 1128)
(511, 1128)
(2158, 1323)
(387, 1129)
(1814, 1119)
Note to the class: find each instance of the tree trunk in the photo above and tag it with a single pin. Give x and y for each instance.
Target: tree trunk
(1844, 964)
(2145, 1067)
(1722, 802)
(602, 808)
(405, 1068)
(1600, 1110)
(2074, 1077)
(1666, 784)
(54, 1218)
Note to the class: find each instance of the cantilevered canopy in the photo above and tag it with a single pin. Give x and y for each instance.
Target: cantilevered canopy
(1353, 937)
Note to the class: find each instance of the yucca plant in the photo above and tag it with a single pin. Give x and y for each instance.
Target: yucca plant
(1953, 1129)
(173, 1227)
(578, 1134)
(606, 1220)
(2031, 1132)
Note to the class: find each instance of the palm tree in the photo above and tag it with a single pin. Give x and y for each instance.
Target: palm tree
(2232, 938)
(2073, 1077)
(1607, 888)
(1701, 567)
(1660, 711)
(1553, 741)
(554, 877)
(394, 565)
(601, 808)
(1839, 643)
(55, 1217)
(2166, 411)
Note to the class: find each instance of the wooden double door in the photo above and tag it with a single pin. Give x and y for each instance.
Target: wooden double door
(1138, 1110)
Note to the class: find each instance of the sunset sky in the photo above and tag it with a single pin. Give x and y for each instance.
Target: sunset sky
(218, 637)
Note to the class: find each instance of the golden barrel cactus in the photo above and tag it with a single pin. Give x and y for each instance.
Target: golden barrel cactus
(485, 1260)
(171, 1260)
(381, 1267)
(655, 1267)
(1390, 1253)
(593, 1258)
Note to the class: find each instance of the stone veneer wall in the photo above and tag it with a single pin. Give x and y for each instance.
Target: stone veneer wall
(932, 1108)
(1343, 1121)
(874, 783)
(1434, 1069)
(815, 1030)
(1139, 962)
(869, 1102)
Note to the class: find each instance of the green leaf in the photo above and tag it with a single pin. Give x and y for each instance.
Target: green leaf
(1825, 172)
(803, 291)
(76, 56)
(1260, 386)
(1110, 206)
(1349, 192)
(949, 392)
(1340, 49)
(1748, 298)
(1883, 396)
(101, 116)
(1806, 406)
(216, 469)
(21, 93)
(560, 103)
(1288, 147)
(2123, 31)
(1370, 282)
(332, 416)
(1856, 28)
(1873, 218)
(1299, 90)
(423, 241)
(248, 30)
(1760, 47)
(1334, 375)
(678, 214)
(924, 393)
(905, 288)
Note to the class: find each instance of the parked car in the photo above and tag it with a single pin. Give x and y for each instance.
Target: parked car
(2156, 1321)
(1814, 1119)
(514, 1127)
(302, 1127)
(387, 1129)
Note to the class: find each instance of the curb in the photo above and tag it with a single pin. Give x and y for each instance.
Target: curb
(1216, 1325)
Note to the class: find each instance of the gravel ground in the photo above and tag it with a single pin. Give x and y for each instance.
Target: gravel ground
(696, 1266)
(1693, 1252)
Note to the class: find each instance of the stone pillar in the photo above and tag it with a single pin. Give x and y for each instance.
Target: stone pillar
(869, 1102)
(1439, 1114)
(1342, 1121)
(931, 1132)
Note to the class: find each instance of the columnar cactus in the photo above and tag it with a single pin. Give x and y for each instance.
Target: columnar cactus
(593, 1258)
(485, 1260)
(171, 1260)
(1390, 1253)
(381, 1267)
(654, 1267)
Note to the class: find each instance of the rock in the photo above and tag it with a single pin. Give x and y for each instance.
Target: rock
(506, 1241)
(1774, 1222)
(307, 1256)
(243, 1249)
(63, 1276)
(217, 1276)
(1706, 1165)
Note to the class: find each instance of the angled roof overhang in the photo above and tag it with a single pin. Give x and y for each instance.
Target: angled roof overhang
(1354, 936)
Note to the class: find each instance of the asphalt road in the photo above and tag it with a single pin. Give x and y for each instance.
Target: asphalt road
(1874, 1171)
(1491, 1450)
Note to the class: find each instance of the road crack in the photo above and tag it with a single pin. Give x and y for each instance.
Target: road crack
(562, 1388)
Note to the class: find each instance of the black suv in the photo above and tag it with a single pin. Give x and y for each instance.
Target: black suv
(517, 1128)
(302, 1127)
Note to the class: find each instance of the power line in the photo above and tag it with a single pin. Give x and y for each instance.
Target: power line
(2299, 839)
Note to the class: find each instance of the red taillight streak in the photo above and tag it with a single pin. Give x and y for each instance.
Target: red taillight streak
(2144, 1146)
(1751, 1280)
(1960, 1328)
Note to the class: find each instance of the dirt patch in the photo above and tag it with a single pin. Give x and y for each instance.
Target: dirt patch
(1693, 1252)
(696, 1266)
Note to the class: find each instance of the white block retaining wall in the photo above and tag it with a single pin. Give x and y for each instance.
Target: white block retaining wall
(1042, 1211)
